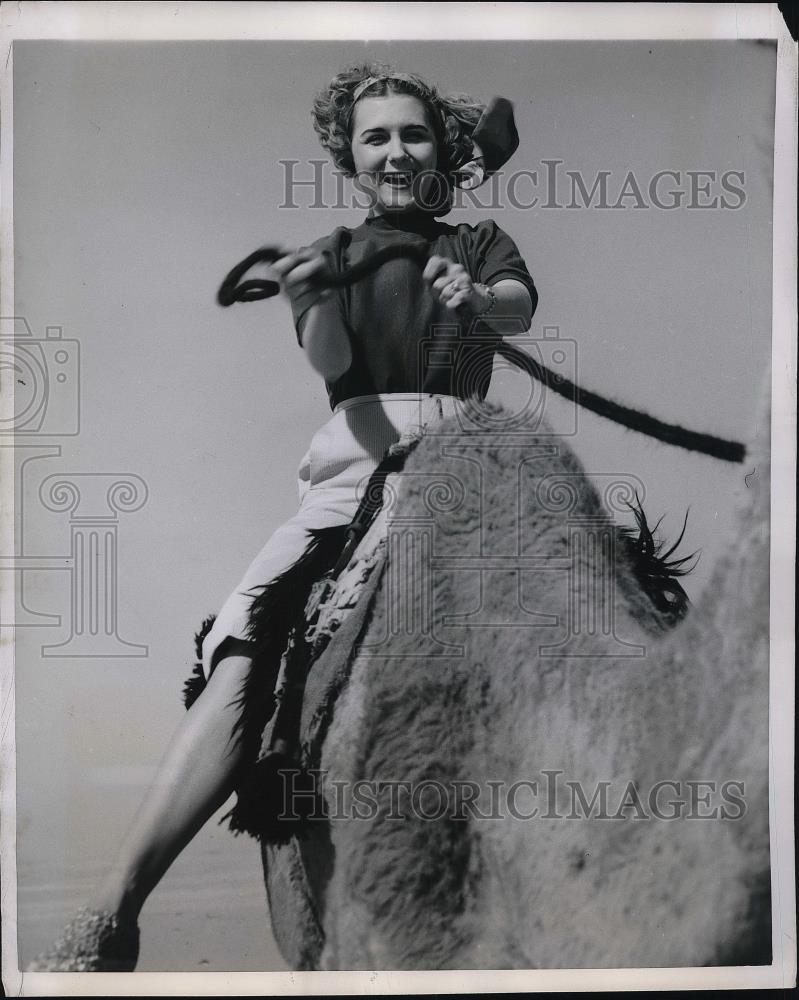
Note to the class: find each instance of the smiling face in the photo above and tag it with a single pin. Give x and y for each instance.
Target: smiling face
(392, 142)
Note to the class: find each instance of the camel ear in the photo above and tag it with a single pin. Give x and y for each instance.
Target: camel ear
(496, 134)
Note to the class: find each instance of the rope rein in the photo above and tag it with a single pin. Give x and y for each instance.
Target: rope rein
(234, 289)
(635, 420)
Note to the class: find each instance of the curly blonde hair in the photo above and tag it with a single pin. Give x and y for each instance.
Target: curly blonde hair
(453, 117)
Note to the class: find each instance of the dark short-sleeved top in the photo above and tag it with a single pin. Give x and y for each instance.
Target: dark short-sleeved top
(402, 340)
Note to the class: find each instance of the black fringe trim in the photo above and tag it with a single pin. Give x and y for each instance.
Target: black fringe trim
(275, 612)
(195, 682)
(275, 800)
(276, 615)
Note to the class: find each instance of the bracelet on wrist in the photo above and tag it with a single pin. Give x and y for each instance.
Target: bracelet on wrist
(491, 303)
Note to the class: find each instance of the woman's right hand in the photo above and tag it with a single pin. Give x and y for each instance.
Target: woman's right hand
(296, 270)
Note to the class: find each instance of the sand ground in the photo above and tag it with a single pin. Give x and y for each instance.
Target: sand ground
(208, 914)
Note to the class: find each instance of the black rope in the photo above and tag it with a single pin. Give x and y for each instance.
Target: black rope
(233, 289)
(369, 506)
(636, 420)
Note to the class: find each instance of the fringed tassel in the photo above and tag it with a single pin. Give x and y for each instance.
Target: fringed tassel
(274, 612)
(272, 806)
(274, 800)
(195, 682)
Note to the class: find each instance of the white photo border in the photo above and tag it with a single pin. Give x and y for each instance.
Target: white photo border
(70, 21)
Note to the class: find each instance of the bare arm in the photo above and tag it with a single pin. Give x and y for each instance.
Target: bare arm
(326, 341)
(327, 344)
(451, 284)
(324, 334)
(512, 302)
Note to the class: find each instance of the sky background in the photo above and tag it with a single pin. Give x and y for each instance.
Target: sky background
(144, 171)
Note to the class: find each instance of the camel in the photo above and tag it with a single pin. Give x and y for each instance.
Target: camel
(564, 673)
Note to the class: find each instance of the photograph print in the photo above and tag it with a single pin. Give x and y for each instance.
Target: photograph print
(390, 462)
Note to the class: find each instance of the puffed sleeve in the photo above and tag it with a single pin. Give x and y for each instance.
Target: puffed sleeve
(493, 257)
(330, 247)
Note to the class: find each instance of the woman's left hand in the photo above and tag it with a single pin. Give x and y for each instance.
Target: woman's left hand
(451, 285)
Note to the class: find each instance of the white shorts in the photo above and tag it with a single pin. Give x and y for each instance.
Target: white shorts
(343, 454)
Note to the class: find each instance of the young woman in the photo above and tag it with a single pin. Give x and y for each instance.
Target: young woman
(405, 146)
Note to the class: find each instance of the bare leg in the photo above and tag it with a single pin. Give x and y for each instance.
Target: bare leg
(194, 779)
